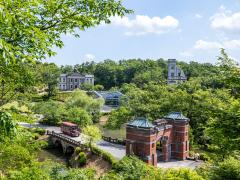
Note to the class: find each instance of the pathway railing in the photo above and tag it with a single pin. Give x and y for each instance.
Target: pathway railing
(114, 140)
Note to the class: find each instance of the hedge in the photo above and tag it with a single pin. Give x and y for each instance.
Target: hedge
(105, 155)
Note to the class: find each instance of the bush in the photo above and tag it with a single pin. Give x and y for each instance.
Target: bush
(77, 150)
(228, 169)
(105, 155)
(204, 157)
(82, 158)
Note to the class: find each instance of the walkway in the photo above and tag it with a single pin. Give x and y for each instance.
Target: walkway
(180, 164)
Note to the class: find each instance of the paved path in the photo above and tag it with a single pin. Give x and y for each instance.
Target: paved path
(180, 164)
(118, 151)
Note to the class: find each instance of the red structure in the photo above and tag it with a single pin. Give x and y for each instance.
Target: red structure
(70, 129)
(162, 140)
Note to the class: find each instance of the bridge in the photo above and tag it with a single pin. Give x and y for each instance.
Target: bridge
(67, 144)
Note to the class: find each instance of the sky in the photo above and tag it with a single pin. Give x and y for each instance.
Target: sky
(188, 30)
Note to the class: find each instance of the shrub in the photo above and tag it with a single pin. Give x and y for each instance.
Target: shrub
(204, 157)
(77, 150)
(228, 169)
(105, 155)
(82, 158)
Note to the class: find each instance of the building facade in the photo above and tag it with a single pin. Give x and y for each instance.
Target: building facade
(175, 74)
(69, 82)
(162, 140)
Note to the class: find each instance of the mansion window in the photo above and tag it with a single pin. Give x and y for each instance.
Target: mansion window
(76, 80)
(172, 74)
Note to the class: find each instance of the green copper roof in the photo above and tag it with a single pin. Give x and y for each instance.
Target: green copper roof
(140, 122)
(176, 115)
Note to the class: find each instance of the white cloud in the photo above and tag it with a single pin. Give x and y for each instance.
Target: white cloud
(211, 45)
(198, 16)
(89, 57)
(142, 25)
(207, 45)
(225, 20)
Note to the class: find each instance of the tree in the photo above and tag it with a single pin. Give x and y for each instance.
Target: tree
(93, 134)
(118, 117)
(50, 74)
(29, 29)
(80, 99)
(79, 116)
(54, 112)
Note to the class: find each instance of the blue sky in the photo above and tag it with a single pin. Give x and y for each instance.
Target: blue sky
(182, 29)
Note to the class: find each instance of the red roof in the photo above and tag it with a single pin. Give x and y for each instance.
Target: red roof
(68, 124)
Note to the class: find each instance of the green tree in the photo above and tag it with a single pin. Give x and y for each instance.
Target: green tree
(50, 74)
(118, 117)
(79, 116)
(29, 29)
(93, 134)
(54, 112)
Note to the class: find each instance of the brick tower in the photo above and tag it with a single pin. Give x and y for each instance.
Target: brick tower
(180, 139)
(171, 131)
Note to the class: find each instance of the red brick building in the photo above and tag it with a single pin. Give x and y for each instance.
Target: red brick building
(162, 140)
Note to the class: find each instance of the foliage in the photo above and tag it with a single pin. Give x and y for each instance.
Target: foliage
(118, 117)
(53, 111)
(87, 87)
(228, 169)
(79, 116)
(7, 125)
(82, 159)
(133, 168)
(92, 134)
(105, 155)
(30, 29)
(50, 76)
(14, 157)
(79, 99)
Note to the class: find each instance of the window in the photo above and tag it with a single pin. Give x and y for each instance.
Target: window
(76, 86)
(186, 146)
(71, 80)
(71, 86)
(63, 86)
(172, 67)
(63, 79)
(172, 74)
(76, 80)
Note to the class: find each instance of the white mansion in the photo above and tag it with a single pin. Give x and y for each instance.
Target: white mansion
(69, 82)
(175, 74)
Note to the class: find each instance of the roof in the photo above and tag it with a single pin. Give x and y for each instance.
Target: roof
(69, 124)
(140, 122)
(109, 94)
(176, 116)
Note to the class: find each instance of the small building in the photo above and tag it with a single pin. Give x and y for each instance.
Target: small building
(111, 98)
(175, 74)
(162, 140)
(69, 82)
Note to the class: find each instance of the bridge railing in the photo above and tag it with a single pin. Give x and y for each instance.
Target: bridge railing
(114, 140)
(66, 139)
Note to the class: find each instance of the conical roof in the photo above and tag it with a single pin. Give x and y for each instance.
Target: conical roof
(140, 122)
(176, 116)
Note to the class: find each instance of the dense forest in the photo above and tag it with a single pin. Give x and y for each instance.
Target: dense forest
(29, 93)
